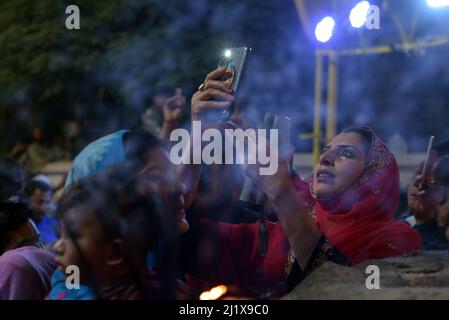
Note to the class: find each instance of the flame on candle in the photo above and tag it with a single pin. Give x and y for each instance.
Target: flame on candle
(215, 293)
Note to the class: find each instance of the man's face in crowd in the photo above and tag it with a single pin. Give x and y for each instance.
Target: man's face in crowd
(40, 200)
(37, 134)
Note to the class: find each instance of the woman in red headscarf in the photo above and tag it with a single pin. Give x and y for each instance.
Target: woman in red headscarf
(359, 219)
(345, 215)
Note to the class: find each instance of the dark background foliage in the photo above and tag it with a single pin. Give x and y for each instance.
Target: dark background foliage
(106, 72)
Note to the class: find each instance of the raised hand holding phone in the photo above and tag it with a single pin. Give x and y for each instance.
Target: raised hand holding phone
(173, 108)
(213, 96)
(427, 171)
(232, 63)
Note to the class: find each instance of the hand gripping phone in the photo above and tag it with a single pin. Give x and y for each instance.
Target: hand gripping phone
(233, 59)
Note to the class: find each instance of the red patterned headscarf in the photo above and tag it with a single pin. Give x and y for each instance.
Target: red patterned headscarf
(359, 222)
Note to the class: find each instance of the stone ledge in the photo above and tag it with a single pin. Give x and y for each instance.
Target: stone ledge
(421, 275)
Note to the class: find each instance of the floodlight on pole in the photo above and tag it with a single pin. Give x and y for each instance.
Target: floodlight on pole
(358, 14)
(324, 29)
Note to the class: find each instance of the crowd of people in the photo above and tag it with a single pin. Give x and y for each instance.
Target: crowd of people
(132, 225)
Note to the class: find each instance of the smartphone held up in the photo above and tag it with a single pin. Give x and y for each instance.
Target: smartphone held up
(233, 59)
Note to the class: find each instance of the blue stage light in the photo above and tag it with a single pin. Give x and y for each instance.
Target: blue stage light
(324, 29)
(358, 14)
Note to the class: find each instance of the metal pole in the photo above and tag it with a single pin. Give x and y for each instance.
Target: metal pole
(317, 108)
(332, 87)
(302, 13)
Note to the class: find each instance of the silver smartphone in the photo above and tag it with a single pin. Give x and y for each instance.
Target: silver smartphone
(234, 60)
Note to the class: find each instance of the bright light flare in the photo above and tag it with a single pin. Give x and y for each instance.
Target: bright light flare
(438, 3)
(358, 14)
(214, 293)
(227, 53)
(324, 29)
